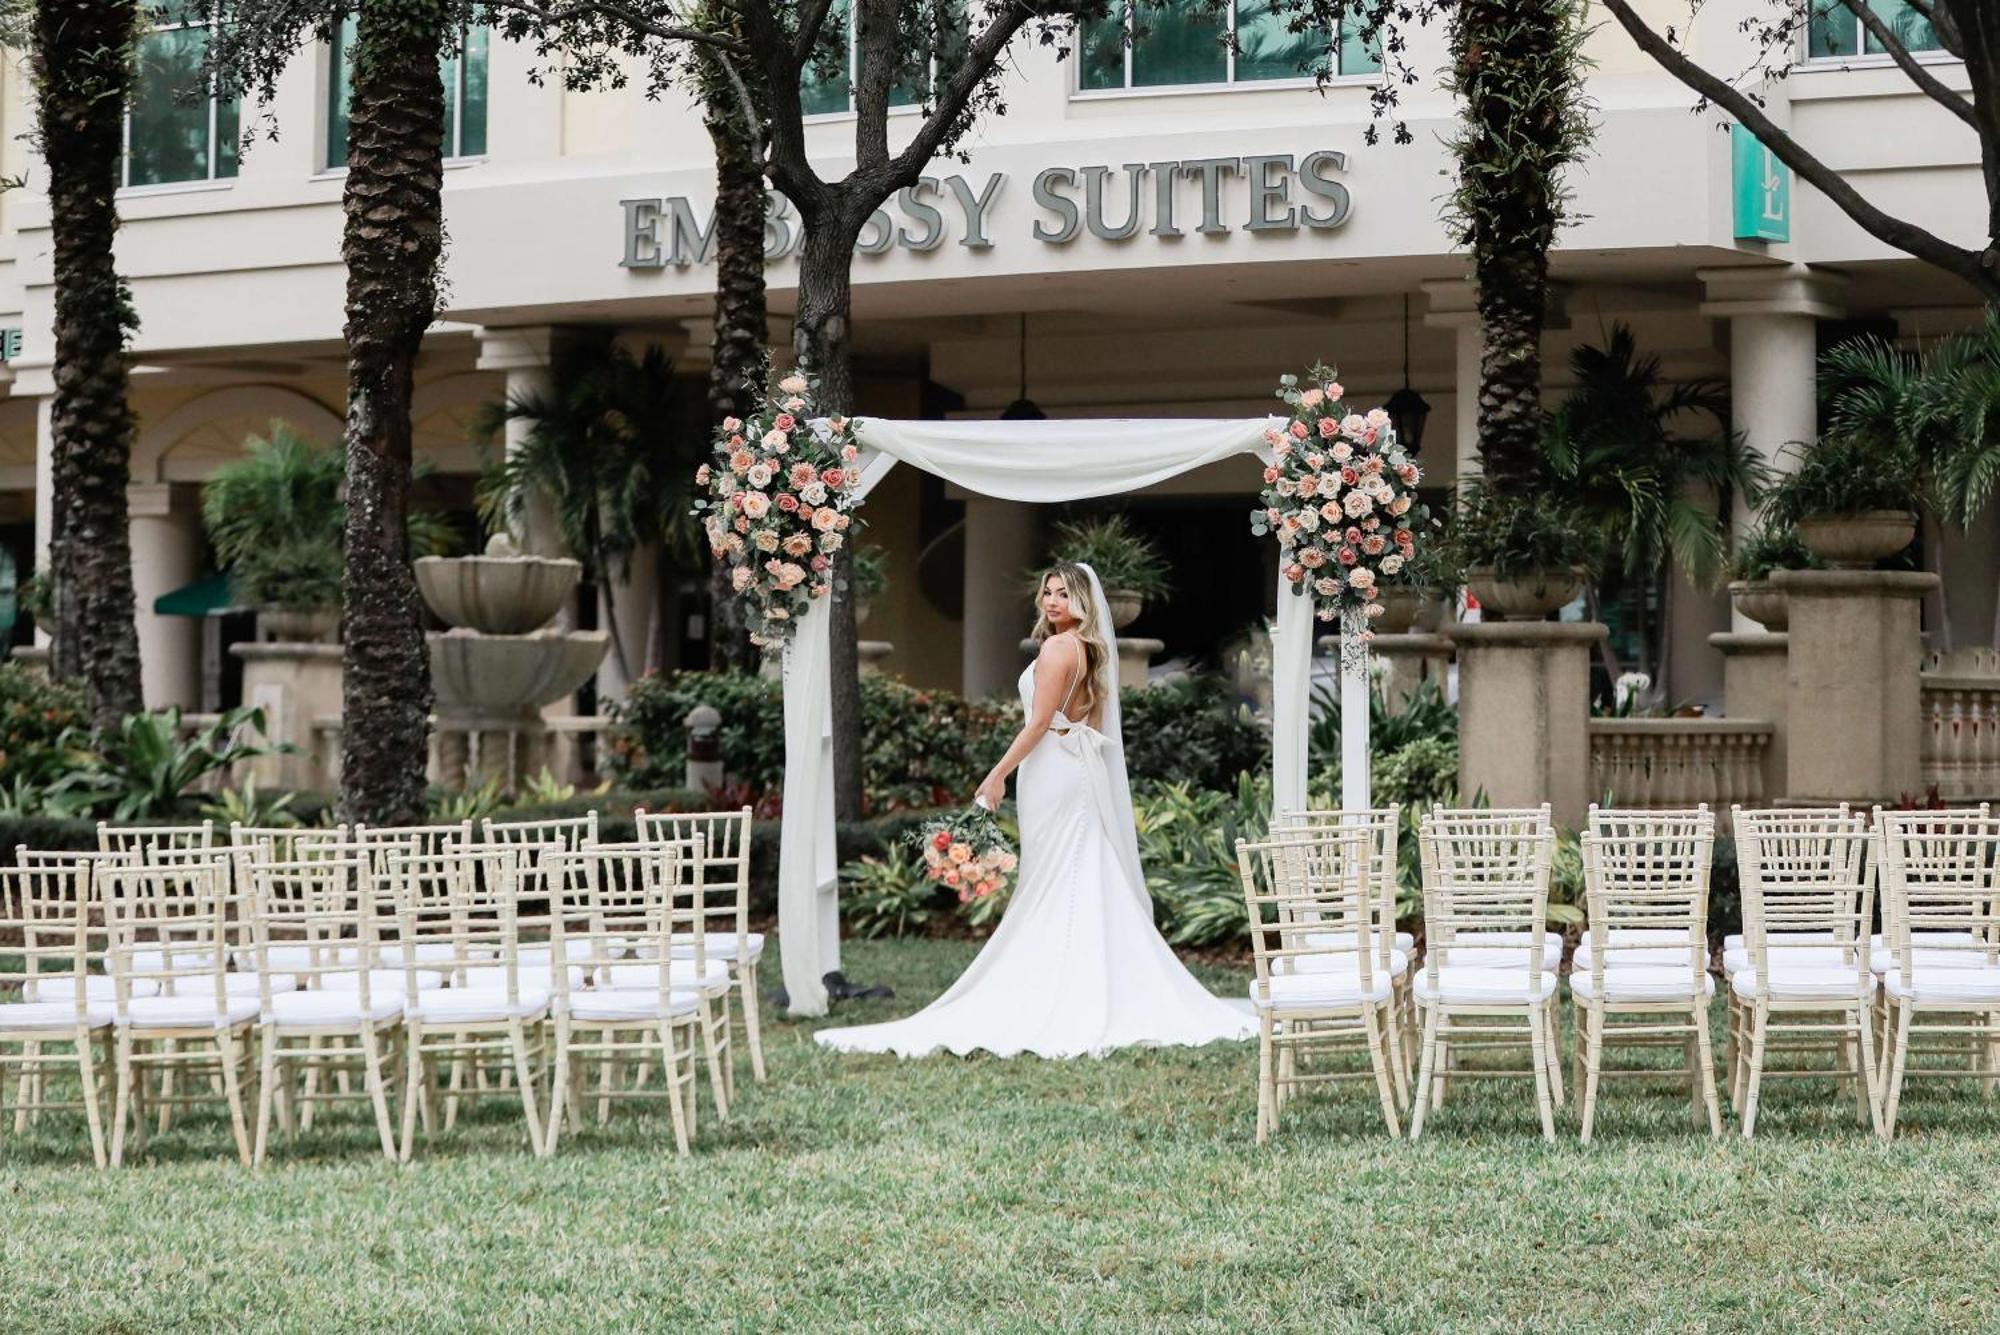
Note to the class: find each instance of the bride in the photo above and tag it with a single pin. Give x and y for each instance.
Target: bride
(1076, 966)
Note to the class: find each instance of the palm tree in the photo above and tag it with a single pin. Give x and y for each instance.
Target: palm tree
(81, 54)
(738, 126)
(1517, 69)
(613, 450)
(1654, 466)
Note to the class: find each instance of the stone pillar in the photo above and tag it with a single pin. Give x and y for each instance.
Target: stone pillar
(999, 554)
(1773, 313)
(633, 601)
(296, 685)
(1851, 681)
(525, 353)
(1449, 304)
(1408, 661)
(166, 554)
(45, 498)
(1753, 687)
(1524, 713)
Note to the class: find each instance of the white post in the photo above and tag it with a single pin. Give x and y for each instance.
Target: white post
(1354, 779)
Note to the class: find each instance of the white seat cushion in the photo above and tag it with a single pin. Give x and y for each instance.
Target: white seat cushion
(1788, 957)
(155, 961)
(387, 981)
(1630, 946)
(718, 945)
(96, 987)
(635, 1004)
(1317, 991)
(475, 1005)
(185, 1012)
(39, 1015)
(1974, 986)
(1641, 983)
(241, 984)
(1501, 950)
(295, 956)
(1804, 982)
(540, 975)
(1478, 985)
(332, 1008)
(1934, 949)
(1735, 940)
(681, 973)
(1399, 962)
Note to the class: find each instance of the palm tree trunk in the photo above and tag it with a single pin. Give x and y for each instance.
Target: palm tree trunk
(820, 340)
(392, 243)
(1513, 291)
(82, 56)
(736, 368)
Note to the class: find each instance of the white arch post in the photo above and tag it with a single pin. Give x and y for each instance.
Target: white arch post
(1043, 462)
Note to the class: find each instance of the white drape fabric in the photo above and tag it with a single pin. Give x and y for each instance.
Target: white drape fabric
(1043, 463)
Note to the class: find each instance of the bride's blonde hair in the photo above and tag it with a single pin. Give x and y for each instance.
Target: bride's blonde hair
(1089, 628)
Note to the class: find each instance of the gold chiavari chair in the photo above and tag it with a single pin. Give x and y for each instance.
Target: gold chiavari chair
(722, 880)
(53, 1015)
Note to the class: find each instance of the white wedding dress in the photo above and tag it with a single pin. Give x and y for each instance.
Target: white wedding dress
(1076, 967)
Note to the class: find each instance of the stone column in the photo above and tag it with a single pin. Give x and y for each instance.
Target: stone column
(166, 554)
(1773, 313)
(1753, 687)
(1524, 713)
(633, 601)
(1408, 660)
(1851, 681)
(1448, 304)
(296, 685)
(525, 353)
(999, 552)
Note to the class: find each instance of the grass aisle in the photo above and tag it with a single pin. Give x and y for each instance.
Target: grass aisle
(863, 1192)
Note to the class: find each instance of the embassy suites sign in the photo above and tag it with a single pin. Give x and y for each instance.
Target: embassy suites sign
(1264, 192)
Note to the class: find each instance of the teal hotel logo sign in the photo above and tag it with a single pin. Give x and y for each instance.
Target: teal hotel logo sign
(1761, 190)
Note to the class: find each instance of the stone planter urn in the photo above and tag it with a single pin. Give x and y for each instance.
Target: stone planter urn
(1125, 606)
(1857, 541)
(1401, 608)
(1760, 601)
(279, 625)
(1529, 596)
(501, 592)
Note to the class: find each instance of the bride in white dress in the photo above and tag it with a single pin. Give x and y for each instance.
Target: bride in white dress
(1076, 967)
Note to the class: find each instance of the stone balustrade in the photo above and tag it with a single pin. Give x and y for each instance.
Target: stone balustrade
(1659, 763)
(1961, 736)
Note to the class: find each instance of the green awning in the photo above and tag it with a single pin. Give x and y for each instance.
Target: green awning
(206, 597)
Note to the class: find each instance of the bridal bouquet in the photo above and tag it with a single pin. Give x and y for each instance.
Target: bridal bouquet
(1341, 497)
(967, 852)
(776, 505)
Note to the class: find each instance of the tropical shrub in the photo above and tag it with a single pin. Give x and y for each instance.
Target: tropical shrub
(920, 748)
(147, 769)
(888, 894)
(35, 713)
(871, 572)
(1421, 773)
(1192, 731)
(1522, 533)
(1122, 556)
(1187, 844)
(1841, 474)
(1424, 715)
(1773, 546)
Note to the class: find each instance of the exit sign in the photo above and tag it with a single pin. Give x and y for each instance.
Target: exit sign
(1762, 189)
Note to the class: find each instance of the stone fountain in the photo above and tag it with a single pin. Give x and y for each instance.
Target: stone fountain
(500, 662)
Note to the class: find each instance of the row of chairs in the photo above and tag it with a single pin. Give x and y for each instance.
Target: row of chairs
(422, 966)
(1809, 977)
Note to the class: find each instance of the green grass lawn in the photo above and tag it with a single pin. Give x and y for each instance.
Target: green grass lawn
(864, 1192)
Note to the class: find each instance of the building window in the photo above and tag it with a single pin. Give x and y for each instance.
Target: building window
(172, 133)
(826, 85)
(1182, 43)
(464, 74)
(1836, 32)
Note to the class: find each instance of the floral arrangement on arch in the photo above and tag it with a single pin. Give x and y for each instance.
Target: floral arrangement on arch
(966, 853)
(1341, 497)
(776, 509)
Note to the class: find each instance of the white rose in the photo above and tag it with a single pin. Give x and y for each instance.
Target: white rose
(1391, 564)
(813, 493)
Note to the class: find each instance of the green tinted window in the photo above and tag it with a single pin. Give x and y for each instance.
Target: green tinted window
(1100, 56)
(465, 97)
(174, 133)
(826, 85)
(1265, 49)
(1356, 55)
(1834, 31)
(1178, 43)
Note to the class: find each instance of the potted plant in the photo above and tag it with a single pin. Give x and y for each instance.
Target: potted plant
(871, 578)
(276, 518)
(1773, 546)
(1416, 598)
(1127, 562)
(1852, 500)
(1525, 555)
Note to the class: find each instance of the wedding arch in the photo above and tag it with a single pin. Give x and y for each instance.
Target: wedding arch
(1038, 462)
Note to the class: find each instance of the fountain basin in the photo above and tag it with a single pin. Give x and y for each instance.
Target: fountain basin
(479, 673)
(498, 594)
